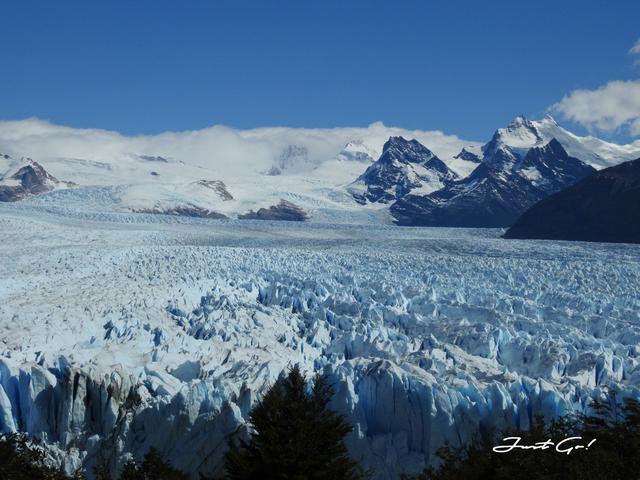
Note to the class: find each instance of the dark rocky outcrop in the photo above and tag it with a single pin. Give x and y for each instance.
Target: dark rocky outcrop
(468, 155)
(30, 179)
(184, 211)
(604, 207)
(153, 158)
(217, 186)
(283, 211)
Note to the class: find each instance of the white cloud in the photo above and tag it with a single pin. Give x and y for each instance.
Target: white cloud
(225, 150)
(611, 107)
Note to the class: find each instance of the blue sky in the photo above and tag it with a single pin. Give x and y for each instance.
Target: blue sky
(464, 67)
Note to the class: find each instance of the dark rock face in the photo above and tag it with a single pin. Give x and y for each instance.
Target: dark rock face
(553, 169)
(496, 192)
(184, 211)
(31, 179)
(217, 186)
(605, 207)
(283, 211)
(153, 158)
(469, 156)
(404, 165)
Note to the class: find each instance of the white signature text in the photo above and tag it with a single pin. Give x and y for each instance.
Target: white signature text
(567, 445)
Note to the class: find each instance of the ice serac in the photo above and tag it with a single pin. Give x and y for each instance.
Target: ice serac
(507, 182)
(403, 167)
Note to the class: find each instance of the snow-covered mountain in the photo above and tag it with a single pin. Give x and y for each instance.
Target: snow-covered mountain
(318, 171)
(497, 192)
(405, 166)
(167, 173)
(522, 134)
(522, 164)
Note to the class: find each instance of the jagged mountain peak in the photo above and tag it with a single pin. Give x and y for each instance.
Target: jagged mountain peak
(404, 166)
(521, 133)
(24, 167)
(406, 150)
(403, 151)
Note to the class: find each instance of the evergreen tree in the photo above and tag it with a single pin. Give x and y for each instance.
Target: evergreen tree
(296, 436)
(21, 460)
(153, 467)
(615, 455)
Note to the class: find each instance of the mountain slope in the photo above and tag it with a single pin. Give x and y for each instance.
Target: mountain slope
(604, 207)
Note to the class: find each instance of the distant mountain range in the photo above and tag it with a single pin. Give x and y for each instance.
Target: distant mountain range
(502, 187)
(373, 179)
(604, 207)
(522, 164)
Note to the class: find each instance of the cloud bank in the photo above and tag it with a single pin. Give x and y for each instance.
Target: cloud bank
(230, 151)
(611, 107)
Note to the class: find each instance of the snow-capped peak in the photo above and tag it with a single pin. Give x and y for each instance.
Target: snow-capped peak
(357, 150)
(522, 134)
(404, 166)
(405, 151)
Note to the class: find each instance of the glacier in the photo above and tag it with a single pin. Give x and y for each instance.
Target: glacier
(121, 332)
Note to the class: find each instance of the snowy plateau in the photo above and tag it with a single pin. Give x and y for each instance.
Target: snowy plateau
(133, 315)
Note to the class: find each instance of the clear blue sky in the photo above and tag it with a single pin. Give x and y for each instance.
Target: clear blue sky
(464, 67)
